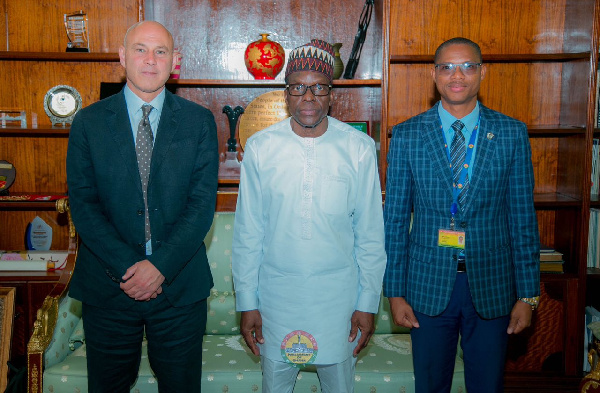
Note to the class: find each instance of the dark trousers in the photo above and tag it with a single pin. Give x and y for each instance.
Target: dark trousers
(114, 345)
(483, 342)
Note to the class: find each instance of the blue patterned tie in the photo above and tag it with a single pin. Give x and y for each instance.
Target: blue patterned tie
(143, 149)
(458, 151)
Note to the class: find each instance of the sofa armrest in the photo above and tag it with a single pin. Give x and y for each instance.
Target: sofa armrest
(47, 315)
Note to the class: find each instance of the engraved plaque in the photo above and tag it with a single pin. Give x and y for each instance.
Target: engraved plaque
(265, 110)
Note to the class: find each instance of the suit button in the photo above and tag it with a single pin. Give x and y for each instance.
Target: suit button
(140, 212)
(463, 224)
(454, 257)
(141, 245)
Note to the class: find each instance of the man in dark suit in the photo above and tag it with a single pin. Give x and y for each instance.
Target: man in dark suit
(470, 263)
(142, 186)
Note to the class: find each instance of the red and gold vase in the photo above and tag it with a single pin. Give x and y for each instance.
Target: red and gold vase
(264, 58)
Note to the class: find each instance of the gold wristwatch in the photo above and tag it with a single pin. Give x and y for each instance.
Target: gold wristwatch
(532, 301)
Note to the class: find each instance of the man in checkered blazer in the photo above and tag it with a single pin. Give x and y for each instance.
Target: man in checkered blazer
(469, 265)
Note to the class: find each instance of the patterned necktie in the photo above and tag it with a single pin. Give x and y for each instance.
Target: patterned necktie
(143, 149)
(458, 151)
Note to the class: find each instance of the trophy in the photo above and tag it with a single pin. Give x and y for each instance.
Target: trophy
(229, 168)
(76, 27)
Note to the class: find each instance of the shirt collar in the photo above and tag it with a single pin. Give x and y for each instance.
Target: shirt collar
(134, 103)
(470, 121)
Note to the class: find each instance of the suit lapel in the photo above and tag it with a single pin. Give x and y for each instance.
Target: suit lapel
(486, 145)
(434, 143)
(168, 126)
(119, 126)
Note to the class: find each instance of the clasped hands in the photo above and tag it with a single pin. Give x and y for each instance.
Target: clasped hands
(251, 329)
(142, 281)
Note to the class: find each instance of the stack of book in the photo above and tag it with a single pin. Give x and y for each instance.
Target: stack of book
(32, 260)
(551, 261)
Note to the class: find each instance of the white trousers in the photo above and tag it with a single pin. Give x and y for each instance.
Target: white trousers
(280, 377)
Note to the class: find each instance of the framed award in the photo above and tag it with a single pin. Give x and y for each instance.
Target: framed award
(61, 103)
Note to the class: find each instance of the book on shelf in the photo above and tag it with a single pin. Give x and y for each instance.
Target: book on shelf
(551, 261)
(552, 267)
(32, 260)
(551, 256)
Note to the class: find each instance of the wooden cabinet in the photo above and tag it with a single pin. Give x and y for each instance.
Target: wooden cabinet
(31, 289)
(541, 58)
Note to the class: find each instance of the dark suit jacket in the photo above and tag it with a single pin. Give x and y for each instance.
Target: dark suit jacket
(106, 200)
(502, 238)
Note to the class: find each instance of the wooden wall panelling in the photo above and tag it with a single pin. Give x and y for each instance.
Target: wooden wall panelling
(546, 220)
(39, 163)
(529, 92)
(39, 25)
(30, 81)
(538, 29)
(14, 224)
(3, 20)
(579, 20)
(213, 34)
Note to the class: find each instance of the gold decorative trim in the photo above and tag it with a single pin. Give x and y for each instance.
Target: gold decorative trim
(62, 206)
(47, 315)
(43, 327)
(34, 380)
(592, 380)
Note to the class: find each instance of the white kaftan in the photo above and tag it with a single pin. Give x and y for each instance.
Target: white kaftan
(308, 247)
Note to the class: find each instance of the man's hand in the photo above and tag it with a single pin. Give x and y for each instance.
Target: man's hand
(402, 313)
(142, 281)
(251, 329)
(365, 322)
(520, 317)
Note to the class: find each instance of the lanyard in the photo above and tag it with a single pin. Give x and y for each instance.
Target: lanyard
(463, 174)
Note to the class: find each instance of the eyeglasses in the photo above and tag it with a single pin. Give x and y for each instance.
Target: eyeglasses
(300, 89)
(448, 69)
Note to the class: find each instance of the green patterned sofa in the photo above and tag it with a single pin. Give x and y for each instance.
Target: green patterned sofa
(385, 366)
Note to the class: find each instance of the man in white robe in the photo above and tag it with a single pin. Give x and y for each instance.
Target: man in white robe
(308, 248)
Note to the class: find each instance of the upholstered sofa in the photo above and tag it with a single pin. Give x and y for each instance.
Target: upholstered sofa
(385, 366)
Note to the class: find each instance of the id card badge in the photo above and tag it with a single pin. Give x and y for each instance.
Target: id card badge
(450, 238)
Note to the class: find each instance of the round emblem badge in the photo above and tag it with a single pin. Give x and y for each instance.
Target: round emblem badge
(299, 348)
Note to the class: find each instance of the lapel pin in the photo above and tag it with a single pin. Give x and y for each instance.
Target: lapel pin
(490, 136)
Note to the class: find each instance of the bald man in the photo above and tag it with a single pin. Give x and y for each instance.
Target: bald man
(142, 174)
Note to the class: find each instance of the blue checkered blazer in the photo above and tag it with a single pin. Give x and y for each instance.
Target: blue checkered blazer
(499, 219)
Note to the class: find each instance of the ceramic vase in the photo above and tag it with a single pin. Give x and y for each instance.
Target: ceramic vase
(264, 58)
(338, 64)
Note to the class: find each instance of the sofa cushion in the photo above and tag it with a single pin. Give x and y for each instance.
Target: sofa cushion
(218, 243)
(222, 317)
(69, 316)
(385, 366)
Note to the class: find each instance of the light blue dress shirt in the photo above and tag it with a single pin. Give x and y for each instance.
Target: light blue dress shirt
(470, 121)
(134, 108)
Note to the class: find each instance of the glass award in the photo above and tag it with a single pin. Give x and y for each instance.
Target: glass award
(76, 27)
